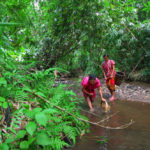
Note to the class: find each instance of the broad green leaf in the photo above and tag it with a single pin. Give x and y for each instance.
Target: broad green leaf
(31, 127)
(10, 139)
(0, 117)
(106, 4)
(2, 99)
(3, 81)
(5, 146)
(41, 118)
(29, 113)
(5, 105)
(24, 145)
(42, 139)
(31, 139)
(20, 134)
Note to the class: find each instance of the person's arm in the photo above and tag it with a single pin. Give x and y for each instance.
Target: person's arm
(101, 94)
(104, 75)
(113, 70)
(85, 91)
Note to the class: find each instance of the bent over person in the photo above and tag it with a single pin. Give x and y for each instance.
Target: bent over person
(108, 67)
(90, 83)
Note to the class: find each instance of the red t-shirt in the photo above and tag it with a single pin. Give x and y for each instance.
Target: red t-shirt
(90, 87)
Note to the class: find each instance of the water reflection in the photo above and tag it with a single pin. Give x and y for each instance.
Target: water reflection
(135, 137)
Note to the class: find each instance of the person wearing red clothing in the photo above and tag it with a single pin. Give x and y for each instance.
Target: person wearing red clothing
(108, 67)
(90, 83)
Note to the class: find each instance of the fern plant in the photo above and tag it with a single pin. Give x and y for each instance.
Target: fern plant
(36, 123)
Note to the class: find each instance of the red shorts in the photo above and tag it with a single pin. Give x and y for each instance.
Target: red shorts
(111, 84)
(91, 97)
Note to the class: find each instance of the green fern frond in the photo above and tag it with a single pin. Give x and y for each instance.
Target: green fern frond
(21, 95)
(70, 132)
(57, 143)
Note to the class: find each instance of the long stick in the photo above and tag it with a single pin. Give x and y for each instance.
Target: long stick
(89, 112)
(108, 117)
(93, 123)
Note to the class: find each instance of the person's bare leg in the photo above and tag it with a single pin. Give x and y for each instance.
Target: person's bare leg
(89, 103)
(113, 96)
(110, 91)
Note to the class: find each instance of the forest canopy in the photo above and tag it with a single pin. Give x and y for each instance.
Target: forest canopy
(51, 32)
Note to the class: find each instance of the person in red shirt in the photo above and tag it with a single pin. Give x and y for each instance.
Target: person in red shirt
(90, 83)
(108, 67)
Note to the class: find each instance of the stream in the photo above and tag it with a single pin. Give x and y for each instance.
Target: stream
(132, 103)
(135, 137)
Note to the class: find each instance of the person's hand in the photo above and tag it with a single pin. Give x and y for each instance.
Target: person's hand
(103, 99)
(105, 78)
(111, 76)
(90, 94)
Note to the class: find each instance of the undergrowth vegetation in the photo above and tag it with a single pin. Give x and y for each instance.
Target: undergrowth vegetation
(30, 115)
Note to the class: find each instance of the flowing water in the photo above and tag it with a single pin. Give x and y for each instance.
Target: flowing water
(135, 137)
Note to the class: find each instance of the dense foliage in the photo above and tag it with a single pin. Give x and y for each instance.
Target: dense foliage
(30, 115)
(72, 35)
